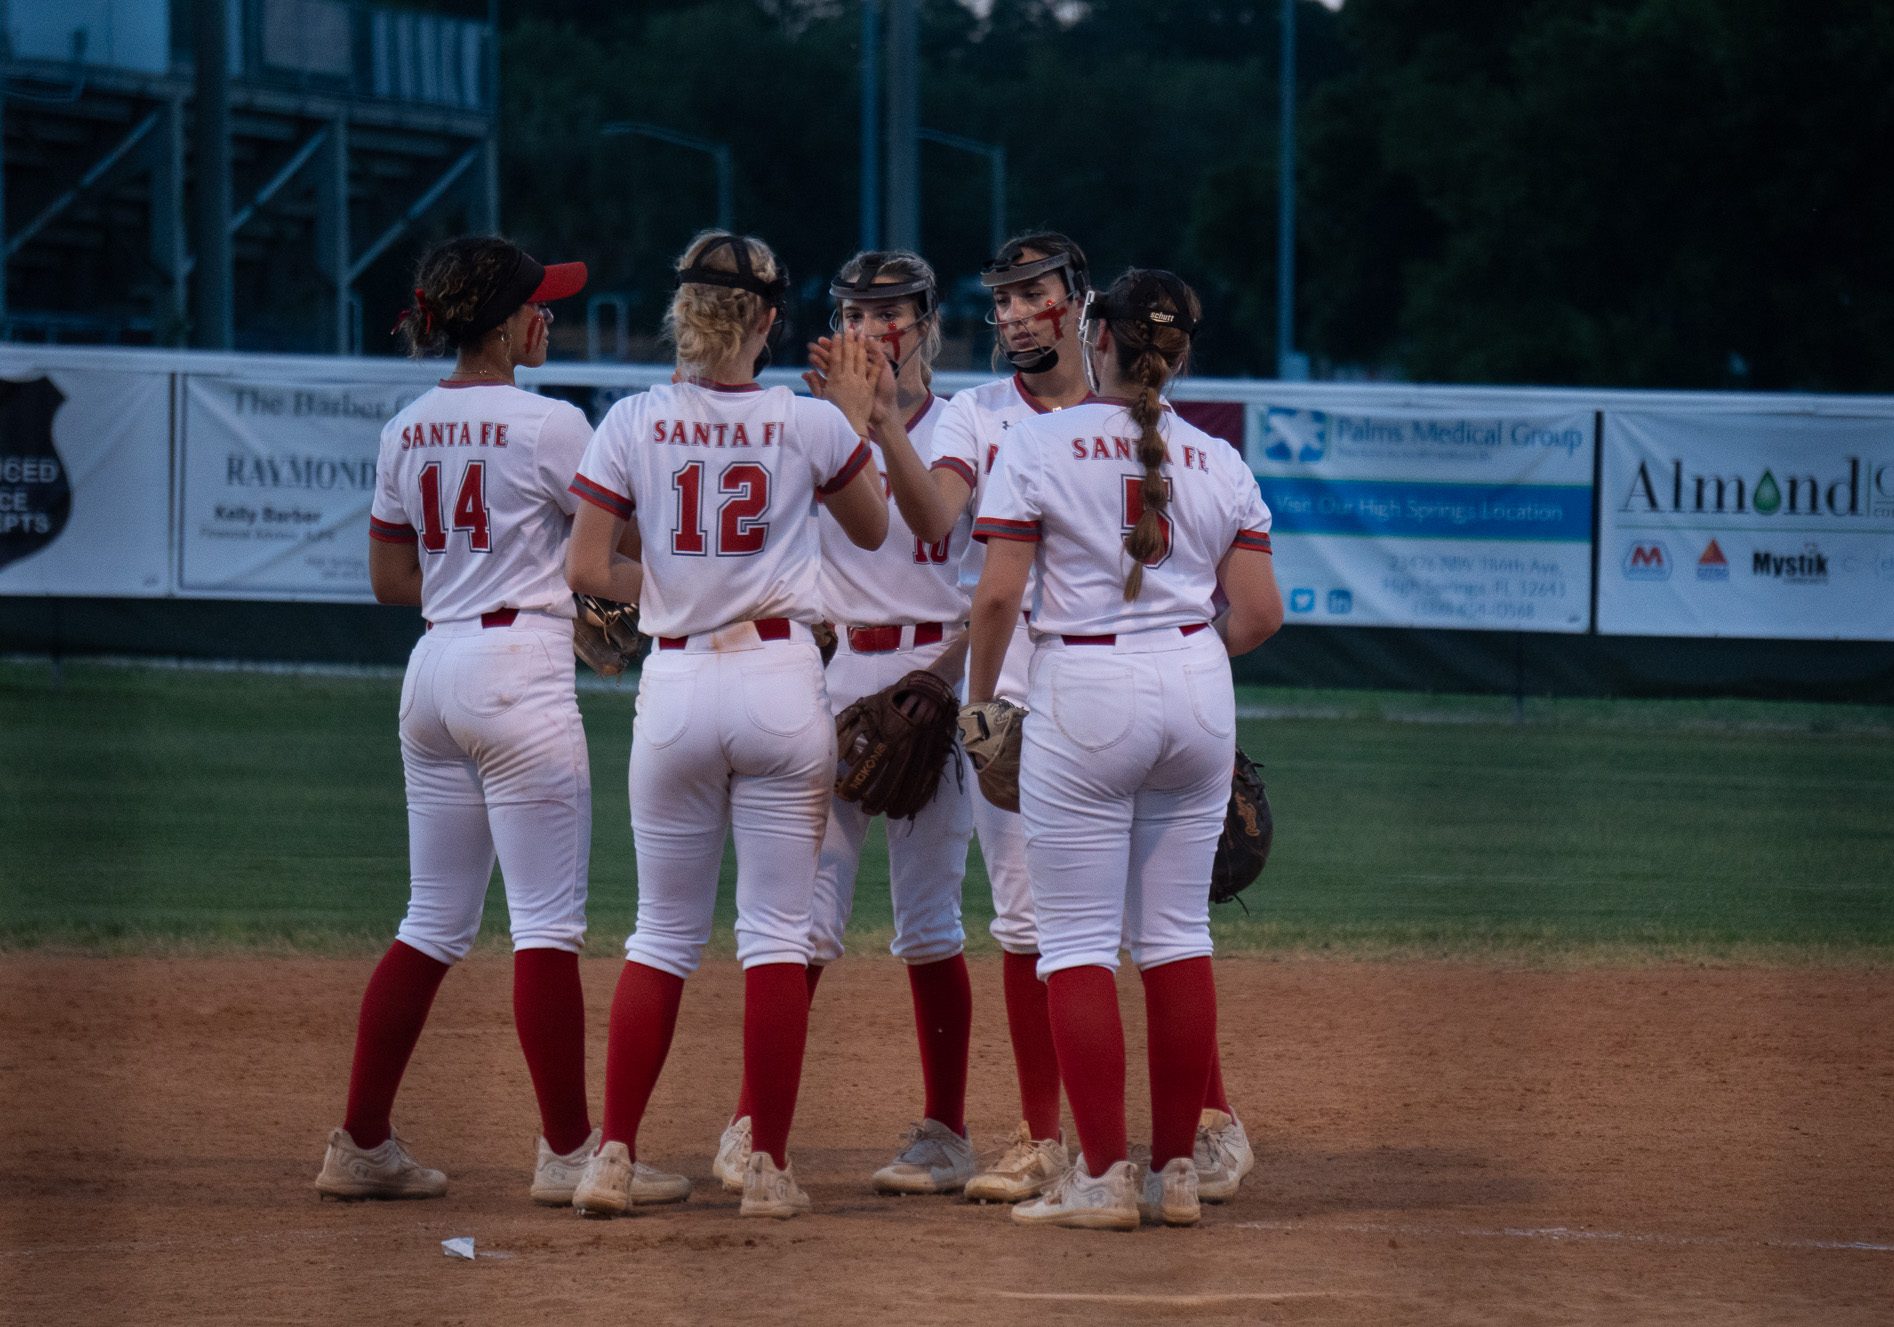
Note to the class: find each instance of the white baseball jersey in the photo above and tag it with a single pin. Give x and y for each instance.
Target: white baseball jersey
(968, 439)
(476, 474)
(1071, 482)
(723, 483)
(904, 580)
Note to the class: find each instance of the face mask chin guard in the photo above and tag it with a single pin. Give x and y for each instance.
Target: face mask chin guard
(865, 289)
(774, 292)
(1098, 309)
(1034, 359)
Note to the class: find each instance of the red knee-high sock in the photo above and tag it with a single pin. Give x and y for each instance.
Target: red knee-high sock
(1180, 1003)
(943, 1020)
(1215, 1095)
(1083, 1003)
(743, 1090)
(394, 1009)
(1034, 1058)
(644, 1015)
(549, 1015)
(775, 1028)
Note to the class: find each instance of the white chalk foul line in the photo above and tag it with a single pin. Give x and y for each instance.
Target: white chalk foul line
(1566, 1233)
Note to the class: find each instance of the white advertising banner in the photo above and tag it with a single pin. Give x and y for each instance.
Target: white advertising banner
(1757, 525)
(85, 480)
(1429, 517)
(275, 481)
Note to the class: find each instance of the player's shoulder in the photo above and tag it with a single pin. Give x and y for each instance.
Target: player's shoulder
(998, 394)
(813, 411)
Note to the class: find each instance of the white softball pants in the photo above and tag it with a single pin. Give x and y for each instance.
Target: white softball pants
(927, 856)
(494, 755)
(737, 739)
(1002, 834)
(1124, 782)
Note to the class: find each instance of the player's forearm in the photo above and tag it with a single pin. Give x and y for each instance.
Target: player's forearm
(990, 631)
(1244, 628)
(916, 495)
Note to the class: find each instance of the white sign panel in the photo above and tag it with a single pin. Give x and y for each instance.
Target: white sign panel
(1423, 518)
(1747, 525)
(276, 478)
(85, 481)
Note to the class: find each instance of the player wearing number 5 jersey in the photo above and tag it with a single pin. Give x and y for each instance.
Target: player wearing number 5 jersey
(722, 478)
(1132, 519)
(469, 521)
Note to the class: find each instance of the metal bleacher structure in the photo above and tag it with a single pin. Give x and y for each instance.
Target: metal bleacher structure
(339, 127)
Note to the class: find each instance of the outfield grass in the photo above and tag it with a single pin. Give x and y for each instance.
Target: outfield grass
(146, 808)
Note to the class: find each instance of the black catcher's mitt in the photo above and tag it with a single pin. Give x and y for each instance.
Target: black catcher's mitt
(606, 635)
(1248, 827)
(892, 747)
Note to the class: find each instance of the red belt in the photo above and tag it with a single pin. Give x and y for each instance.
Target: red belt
(499, 617)
(767, 628)
(879, 640)
(1190, 630)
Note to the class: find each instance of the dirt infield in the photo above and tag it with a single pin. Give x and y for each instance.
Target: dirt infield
(1439, 1143)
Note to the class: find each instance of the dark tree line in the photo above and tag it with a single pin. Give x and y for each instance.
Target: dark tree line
(1681, 193)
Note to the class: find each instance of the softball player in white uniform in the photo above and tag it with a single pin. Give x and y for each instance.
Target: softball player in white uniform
(896, 609)
(469, 521)
(733, 729)
(1132, 519)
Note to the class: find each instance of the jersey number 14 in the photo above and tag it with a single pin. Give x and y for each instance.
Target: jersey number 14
(470, 509)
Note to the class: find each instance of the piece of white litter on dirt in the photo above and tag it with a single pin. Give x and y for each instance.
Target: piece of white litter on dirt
(461, 1246)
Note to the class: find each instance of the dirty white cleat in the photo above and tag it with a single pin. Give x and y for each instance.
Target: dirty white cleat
(768, 1191)
(1086, 1202)
(612, 1182)
(733, 1155)
(556, 1176)
(1170, 1194)
(933, 1159)
(387, 1171)
(1025, 1170)
(1222, 1156)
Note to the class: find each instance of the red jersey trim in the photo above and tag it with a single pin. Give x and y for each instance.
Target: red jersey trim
(390, 533)
(600, 496)
(995, 527)
(455, 386)
(1257, 541)
(959, 467)
(921, 414)
(1025, 394)
(710, 386)
(847, 472)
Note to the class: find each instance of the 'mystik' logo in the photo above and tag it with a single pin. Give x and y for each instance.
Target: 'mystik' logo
(1647, 562)
(38, 495)
(1809, 567)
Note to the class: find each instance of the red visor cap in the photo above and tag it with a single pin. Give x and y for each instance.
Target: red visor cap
(560, 280)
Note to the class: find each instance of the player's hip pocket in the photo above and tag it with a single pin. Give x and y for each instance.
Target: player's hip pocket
(664, 704)
(1212, 695)
(492, 677)
(1090, 699)
(786, 698)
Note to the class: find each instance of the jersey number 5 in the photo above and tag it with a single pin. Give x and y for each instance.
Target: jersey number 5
(741, 530)
(1134, 510)
(470, 508)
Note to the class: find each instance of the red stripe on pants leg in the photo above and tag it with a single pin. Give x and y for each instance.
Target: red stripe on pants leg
(943, 1022)
(1180, 1004)
(1034, 1058)
(644, 1015)
(1090, 1040)
(549, 1015)
(394, 1010)
(775, 1028)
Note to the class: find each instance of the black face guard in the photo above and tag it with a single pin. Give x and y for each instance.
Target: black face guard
(1035, 359)
(774, 291)
(865, 289)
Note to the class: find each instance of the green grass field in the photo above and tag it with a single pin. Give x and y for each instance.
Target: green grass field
(155, 809)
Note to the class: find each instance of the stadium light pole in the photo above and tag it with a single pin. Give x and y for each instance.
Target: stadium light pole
(871, 124)
(1289, 364)
(719, 152)
(995, 153)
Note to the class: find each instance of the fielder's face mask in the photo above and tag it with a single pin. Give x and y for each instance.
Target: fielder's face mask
(1035, 358)
(774, 291)
(899, 343)
(1137, 307)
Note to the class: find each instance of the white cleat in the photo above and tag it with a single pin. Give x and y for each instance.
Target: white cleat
(1170, 1194)
(932, 1159)
(770, 1192)
(1222, 1156)
(1087, 1202)
(387, 1171)
(733, 1155)
(1025, 1170)
(613, 1182)
(556, 1176)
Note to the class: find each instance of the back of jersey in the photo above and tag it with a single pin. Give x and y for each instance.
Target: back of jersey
(477, 476)
(723, 483)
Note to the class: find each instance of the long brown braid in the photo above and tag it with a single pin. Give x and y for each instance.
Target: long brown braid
(1151, 315)
(451, 282)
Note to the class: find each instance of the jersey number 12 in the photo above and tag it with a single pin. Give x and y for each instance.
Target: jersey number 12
(741, 530)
